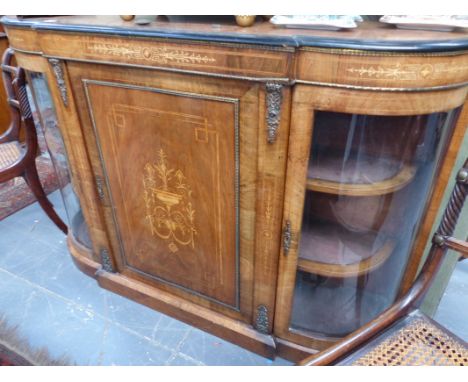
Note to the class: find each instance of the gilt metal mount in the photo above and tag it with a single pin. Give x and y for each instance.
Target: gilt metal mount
(287, 237)
(261, 321)
(274, 96)
(57, 67)
(100, 187)
(106, 261)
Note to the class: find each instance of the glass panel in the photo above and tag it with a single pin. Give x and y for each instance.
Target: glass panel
(368, 182)
(47, 119)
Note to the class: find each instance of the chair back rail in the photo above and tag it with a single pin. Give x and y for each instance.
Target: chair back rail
(24, 164)
(14, 79)
(8, 74)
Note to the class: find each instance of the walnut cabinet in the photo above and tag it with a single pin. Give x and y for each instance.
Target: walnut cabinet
(275, 188)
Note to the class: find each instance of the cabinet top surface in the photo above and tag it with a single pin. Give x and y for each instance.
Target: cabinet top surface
(368, 36)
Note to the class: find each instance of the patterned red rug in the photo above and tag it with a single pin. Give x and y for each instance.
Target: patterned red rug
(10, 358)
(15, 194)
(15, 350)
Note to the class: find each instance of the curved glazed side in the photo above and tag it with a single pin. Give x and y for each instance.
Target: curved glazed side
(82, 256)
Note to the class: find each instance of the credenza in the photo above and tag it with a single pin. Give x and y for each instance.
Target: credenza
(275, 187)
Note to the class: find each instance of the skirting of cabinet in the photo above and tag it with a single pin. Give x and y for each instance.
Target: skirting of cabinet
(190, 313)
(291, 351)
(229, 329)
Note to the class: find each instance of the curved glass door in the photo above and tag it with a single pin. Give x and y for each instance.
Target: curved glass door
(367, 185)
(47, 119)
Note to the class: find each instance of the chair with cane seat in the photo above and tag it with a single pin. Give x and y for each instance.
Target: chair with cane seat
(17, 159)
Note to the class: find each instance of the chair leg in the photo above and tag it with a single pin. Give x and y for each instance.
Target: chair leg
(32, 179)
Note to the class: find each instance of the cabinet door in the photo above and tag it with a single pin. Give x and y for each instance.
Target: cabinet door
(361, 168)
(171, 154)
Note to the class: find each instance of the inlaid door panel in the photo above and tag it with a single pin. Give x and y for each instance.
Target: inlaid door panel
(170, 161)
(170, 158)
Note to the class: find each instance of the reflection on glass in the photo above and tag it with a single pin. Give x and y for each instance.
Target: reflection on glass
(367, 185)
(47, 119)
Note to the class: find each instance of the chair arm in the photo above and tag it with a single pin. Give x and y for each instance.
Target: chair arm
(351, 342)
(457, 245)
(11, 134)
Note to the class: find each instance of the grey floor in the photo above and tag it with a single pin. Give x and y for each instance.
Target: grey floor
(453, 308)
(57, 307)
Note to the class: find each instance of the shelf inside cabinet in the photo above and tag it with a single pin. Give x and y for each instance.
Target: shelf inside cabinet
(363, 177)
(330, 250)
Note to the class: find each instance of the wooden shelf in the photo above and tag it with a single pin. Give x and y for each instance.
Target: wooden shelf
(378, 177)
(330, 250)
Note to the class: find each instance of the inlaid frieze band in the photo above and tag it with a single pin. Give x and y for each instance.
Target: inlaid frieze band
(160, 55)
(406, 72)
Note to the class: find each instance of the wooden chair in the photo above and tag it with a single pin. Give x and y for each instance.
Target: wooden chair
(16, 159)
(402, 334)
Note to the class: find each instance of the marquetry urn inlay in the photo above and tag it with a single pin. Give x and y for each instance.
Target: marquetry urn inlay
(169, 210)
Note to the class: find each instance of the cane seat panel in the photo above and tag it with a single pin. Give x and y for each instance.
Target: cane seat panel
(415, 340)
(9, 153)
